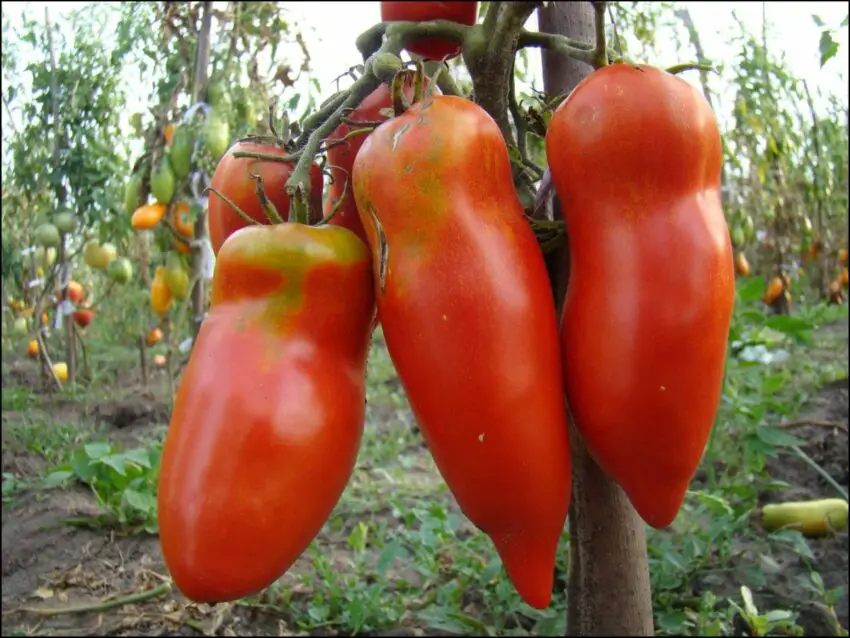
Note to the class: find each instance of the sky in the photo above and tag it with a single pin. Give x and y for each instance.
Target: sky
(330, 28)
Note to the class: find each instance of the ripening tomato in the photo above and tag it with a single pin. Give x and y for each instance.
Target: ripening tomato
(774, 290)
(160, 295)
(260, 447)
(76, 292)
(649, 302)
(341, 156)
(469, 321)
(83, 317)
(232, 178)
(154, 337)
(432, 49)
(181, 218)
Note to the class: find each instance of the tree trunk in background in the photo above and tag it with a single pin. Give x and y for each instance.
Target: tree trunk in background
(608, 592)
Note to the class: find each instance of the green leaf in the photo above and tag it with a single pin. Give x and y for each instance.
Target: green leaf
(817, 19)
(96, 450)
(57, 478)
(116, 462)
(828, 47)
(751, 290)
(788, 325)
(671, 621)
(771, 383)
(82, 467)
(141, 501)
(845, 21)
(776, 437)
(714, 504)
(319, 613)
(139, 456)
(392, 551)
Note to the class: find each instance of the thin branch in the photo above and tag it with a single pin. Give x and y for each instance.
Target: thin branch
(446, 83)
(519, 121)
(11, 119)
(691, 66)
(557, 44)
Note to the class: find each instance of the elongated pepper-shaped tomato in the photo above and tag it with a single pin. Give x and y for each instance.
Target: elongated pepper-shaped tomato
(468, 317)
(344, 149)
(269, 415)
(635, 155)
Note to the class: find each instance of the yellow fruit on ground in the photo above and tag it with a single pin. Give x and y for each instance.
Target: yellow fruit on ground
(811, 518)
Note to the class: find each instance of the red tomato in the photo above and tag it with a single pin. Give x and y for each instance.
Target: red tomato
(433, 49)
(269, 414)
(469, 321)
(341, 157)
(652, 283)
(83, 317)
(232, 178)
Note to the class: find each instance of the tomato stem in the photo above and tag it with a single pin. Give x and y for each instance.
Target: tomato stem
(242, 214)
(266, 157)
(268, 206)
(338, 204)
(690, 66)
(418, 81)
(298, 209)
(397, 91)
(600, 55)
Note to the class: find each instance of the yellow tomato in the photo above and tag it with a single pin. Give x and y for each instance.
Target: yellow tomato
(160, 294)
(61, 370)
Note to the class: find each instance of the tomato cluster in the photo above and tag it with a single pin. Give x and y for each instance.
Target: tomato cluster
(423, 224)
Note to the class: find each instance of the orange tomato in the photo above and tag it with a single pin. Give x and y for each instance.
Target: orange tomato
(154, 337)
(844, 277)
(159, 360)
(32, 348)
(742, 266)
(184, 225)
(148, 216)
(168, 134)
(774, 290)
